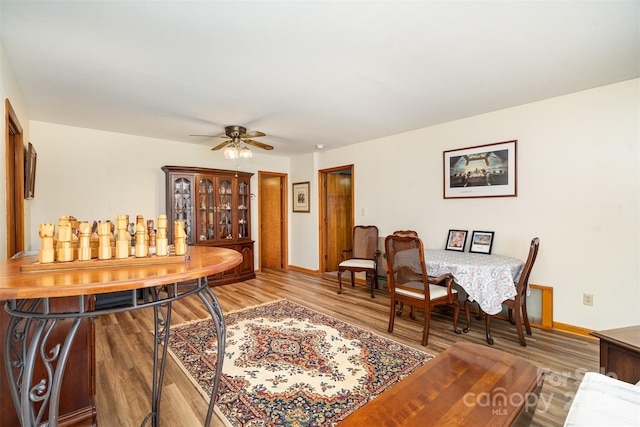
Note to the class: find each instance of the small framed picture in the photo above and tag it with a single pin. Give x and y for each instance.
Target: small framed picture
(481, 242)
(456, 240)
(301, 197)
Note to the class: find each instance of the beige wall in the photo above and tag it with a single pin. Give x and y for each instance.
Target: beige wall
(9, 90)
(578, 190)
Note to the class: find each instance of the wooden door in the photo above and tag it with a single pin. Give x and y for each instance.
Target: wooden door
(272, 220)
(14, 182)
(338, 215)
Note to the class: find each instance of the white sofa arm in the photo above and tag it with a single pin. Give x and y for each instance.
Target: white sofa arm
(604, 401)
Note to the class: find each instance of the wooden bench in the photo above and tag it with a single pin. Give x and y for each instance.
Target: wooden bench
(467, 384)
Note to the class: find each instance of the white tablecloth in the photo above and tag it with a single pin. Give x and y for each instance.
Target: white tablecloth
(487, 279)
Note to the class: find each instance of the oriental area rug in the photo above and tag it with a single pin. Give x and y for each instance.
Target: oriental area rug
(288, 365)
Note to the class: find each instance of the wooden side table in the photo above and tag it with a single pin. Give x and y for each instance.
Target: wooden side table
(620, 352)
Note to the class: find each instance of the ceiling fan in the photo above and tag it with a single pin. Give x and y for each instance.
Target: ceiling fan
(237, 139)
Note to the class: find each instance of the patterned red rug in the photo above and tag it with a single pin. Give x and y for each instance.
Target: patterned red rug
(288, 365)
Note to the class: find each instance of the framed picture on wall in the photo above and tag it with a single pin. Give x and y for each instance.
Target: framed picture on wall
(480, 171)
(456, 240)
(30, 172)
(301, 197)
(481, 242)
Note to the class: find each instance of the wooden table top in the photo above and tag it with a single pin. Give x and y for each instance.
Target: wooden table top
(627, 337)
(467, 384)
(202, 261)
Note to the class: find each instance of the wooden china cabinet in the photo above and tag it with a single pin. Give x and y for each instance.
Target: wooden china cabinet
(215, 205)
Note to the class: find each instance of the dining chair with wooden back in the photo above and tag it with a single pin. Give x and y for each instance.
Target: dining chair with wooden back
(363, 256)
(410, 284)
(517, 306)
(406, 233)
(412, 233)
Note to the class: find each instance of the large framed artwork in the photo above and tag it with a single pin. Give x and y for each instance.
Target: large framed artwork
(481, 171)
(301, 197)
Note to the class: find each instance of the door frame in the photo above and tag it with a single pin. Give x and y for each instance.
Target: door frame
(284, 224)
(14, 181)
(322, 209)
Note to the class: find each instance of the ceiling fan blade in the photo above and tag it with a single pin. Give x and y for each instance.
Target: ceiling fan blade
(222, 135)
(253, 134)
(258, 144)
(221, 145)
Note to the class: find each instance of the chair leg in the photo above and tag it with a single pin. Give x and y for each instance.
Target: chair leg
(488, 329)
(511, 319)
(353, 279)
(467, 312)
(373, 279)
(456, 313)
(339, 281)
(518, 314)
(425, 333)
(525, 316)
(392, 314)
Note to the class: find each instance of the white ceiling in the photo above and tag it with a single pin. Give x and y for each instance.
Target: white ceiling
(306, 73)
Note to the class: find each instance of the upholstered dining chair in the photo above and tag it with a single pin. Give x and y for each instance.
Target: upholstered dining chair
(364, 256)
(517, 306)
(409, 283)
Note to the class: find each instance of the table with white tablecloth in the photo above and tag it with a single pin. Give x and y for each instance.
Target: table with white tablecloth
(487, 279)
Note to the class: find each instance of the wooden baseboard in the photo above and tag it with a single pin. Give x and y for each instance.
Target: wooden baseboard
(302, 270)
(577, 330)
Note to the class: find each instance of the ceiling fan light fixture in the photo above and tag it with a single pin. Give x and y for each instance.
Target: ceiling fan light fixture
(245, 153)
(231, 152)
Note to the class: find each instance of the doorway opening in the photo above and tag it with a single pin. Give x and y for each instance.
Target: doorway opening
(336, 215)
(272, 218)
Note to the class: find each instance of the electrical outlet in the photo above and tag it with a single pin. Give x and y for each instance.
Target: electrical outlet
(587, 299)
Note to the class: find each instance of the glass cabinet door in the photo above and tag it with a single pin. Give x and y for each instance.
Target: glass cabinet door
(206, 209)
(243, 209)
(182, 204)
(225, 206)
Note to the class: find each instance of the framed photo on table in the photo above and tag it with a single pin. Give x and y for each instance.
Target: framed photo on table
(480, 171)
(456, 239)
(481, 242)
(301, 197)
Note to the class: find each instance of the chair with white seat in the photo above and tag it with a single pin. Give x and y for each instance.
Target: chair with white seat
(364, 256)
(410, 284)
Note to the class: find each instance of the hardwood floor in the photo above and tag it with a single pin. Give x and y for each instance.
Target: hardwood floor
(124, 347)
